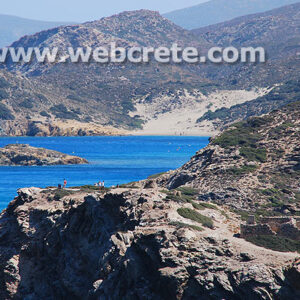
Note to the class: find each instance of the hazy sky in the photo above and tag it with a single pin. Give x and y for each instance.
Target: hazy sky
(75, 10)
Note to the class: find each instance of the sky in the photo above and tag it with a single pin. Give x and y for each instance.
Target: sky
(85, 10)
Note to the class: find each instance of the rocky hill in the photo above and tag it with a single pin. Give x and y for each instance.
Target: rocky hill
(25, 155)
(217, 11)
(277, 31)
(145, 96)
(277, 97)
(143, 241)
(253, 166)
(90, 92)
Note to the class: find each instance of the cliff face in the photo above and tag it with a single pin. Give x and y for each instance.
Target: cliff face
(125, 244)
(25, 155)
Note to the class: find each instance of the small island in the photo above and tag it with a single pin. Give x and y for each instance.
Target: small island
(25, 155)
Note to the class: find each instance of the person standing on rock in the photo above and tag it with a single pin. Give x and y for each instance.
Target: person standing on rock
(65, 183)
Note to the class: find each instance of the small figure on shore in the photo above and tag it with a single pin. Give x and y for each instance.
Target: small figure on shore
(101, 185)
(65, 183)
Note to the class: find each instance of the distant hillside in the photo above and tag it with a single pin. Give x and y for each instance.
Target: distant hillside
(105, 93)
(278, 31)
(132, 96)
(12, 28)
(216, 11)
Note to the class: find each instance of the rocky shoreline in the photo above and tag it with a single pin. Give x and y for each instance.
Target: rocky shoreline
(131, 243)
(25, 155)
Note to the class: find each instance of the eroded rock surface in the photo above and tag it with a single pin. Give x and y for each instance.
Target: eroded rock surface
(122, 245)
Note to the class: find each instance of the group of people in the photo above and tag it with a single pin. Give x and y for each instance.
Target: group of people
(64, 185)
(101, 184)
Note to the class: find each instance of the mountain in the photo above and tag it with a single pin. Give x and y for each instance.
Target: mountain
(144, 241)
(12, 28)
(108, 101)
(240, 90)
(277, 31)
(150, 98)
(217, 11)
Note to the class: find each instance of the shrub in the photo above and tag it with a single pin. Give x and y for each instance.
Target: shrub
(254, 154)
(156, 175)
(275, 243)
(203, 205)
(5, 113)
(44, 114)
(184, 225)
(59, 194)
(188, 191)
(241, 136)
(60, 111)
(75, 98)
(27, 103)
(195, 216)
(241, 171)
(3, 94)
(3, 83)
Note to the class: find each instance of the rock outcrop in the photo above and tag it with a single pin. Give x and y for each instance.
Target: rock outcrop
(25, 155)
(125, 244)
(253, 166)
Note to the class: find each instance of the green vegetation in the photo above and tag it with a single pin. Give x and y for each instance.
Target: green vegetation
(75, 98)
(184, 225)
(241, 171)
(277, 131)
(90, 188)
(60, 111)
(3, 83)
(59, 194)
(3, 94)
(203, 205)
(156, 175)
(244, 134)
(253, 154)
(188, 191)
(27, 103)
(275, 243)
(280, 96)
(195, 216)
(44, 114)
(129, 185)
(135, 122)
(5, 113)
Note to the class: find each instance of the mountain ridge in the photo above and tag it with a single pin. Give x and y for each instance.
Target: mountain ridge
(125, 103)
(217, 11)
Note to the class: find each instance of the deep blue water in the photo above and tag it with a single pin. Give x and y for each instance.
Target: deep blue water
(116, 160)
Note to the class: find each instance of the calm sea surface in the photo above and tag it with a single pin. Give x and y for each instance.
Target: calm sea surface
(116, 160)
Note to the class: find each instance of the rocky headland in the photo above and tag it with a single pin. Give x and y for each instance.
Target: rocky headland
(25, 155)
(171, 236)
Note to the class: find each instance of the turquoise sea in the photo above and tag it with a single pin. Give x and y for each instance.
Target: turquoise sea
(116, 160)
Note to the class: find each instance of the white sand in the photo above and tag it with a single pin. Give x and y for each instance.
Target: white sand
(176, 114)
